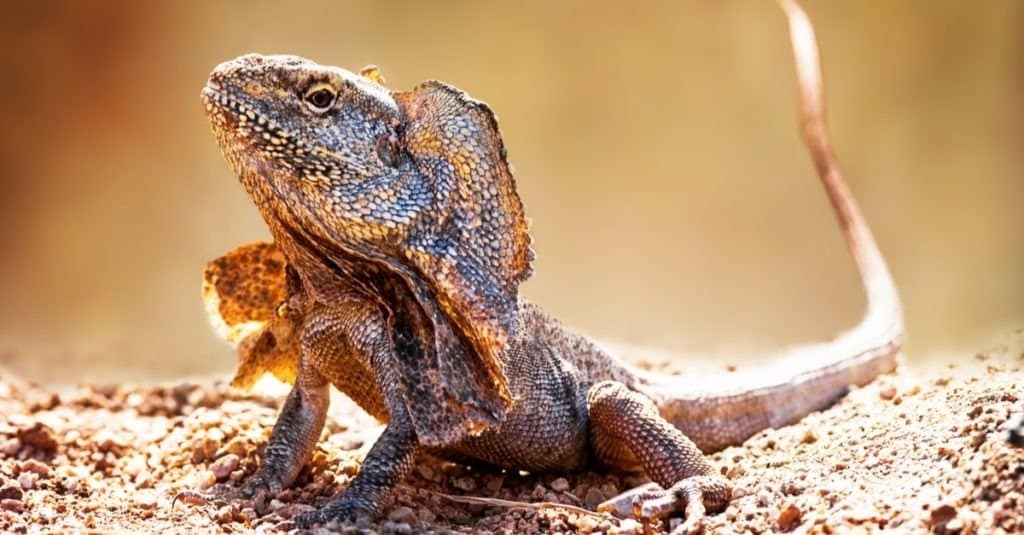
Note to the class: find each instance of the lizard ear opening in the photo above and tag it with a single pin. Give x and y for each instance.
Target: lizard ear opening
(474, 247)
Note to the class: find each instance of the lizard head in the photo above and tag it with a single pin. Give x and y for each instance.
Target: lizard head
(310, 137)
(415, 182)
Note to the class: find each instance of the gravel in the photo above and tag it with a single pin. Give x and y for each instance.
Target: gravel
(924, 450)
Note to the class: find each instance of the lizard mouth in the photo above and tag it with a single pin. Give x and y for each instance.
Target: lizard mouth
(226, 105)
(220, 111)
(221, 108)
(236, 122)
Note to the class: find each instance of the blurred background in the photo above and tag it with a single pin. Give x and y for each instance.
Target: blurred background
(655, 146)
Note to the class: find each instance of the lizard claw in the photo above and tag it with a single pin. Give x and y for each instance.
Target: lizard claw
(192, 497)
(651, 501)
(258, 489)
(218, 493)
(255, 489)
(310, 519)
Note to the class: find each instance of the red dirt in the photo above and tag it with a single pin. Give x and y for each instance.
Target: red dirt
(917, 451)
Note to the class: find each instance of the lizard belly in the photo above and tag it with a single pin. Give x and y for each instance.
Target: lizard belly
(546, 427)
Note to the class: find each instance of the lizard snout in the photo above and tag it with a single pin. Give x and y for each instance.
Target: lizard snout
(240, 68)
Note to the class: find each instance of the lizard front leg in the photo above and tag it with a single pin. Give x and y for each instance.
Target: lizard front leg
(290, 446)
(351, 345)
(626, 428)
(294, 436)
(387, 463)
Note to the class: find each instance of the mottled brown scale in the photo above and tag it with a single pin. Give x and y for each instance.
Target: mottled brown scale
(245, 293)
(405, 243)
(248, 283)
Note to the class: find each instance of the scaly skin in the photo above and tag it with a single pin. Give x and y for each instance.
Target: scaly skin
(405, 243)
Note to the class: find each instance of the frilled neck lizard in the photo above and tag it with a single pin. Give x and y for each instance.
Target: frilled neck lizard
(399, 246)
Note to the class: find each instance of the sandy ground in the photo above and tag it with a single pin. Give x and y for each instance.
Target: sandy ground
(917, 451)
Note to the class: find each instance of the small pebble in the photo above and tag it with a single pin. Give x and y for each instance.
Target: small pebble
(942, 514)
(145, 500)
(39, 436)
(626, 527)
(46, 513)
(225, 514)
(349, 467)
(466, 484)
(36, 467)
(28, 480)
(203, 449)
(207, 479)
(249, 514)
(9, 504)
(143, 480)
(425, 471)
(403, 514)
(587, 524)
(236, 446)
(223, 467)
(789, 517)
(10, 447)
(560, 485)
(106, 441)
(426, 515)
(593, 497)
(134, 467)
(792, 487)
(11, 492)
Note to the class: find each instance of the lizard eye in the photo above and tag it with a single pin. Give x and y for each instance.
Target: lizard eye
(320, 98)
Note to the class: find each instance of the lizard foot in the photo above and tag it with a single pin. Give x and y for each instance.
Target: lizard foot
(340, 510)
(693, 496)
(218, 494)
(256, 488)
(260, 489)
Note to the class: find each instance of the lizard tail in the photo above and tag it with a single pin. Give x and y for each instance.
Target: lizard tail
(812, 377)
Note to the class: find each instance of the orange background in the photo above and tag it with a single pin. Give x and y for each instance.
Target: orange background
(654, 143)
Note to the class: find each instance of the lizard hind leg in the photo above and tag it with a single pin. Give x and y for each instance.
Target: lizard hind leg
(626, 429)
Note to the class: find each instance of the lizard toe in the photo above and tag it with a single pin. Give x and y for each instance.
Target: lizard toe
(309, 520)
(260, 490)
(193, 497)
(219, 494)
(692, 496)
(339, 511)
